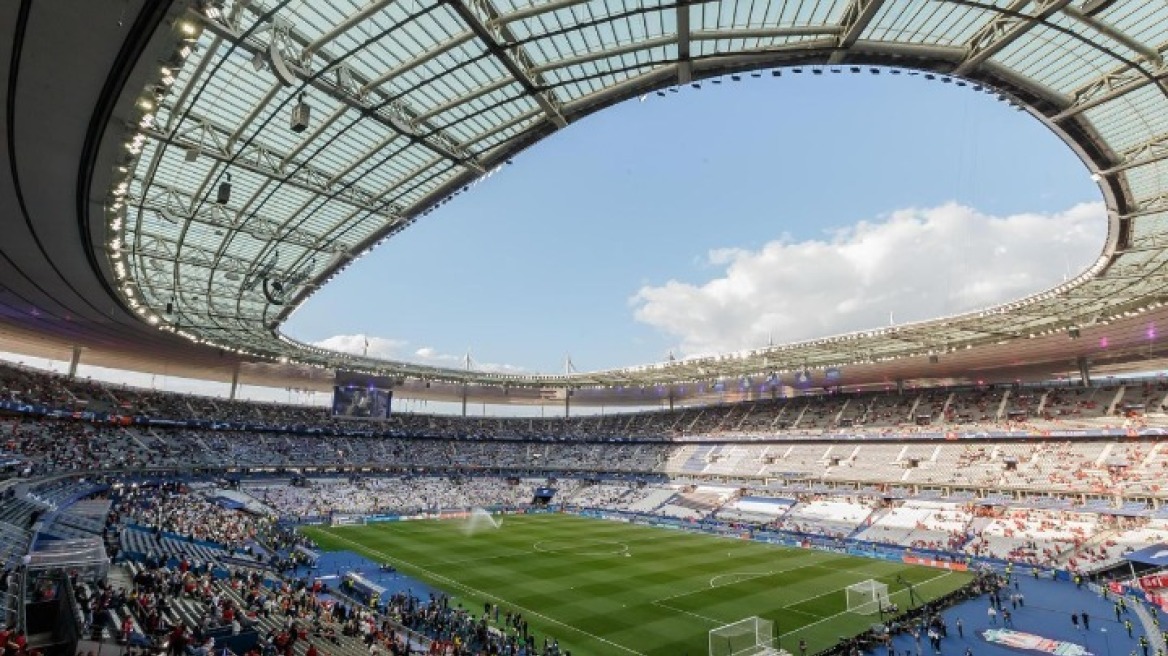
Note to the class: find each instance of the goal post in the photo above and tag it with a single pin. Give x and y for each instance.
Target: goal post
(868, 597)
(752, 636)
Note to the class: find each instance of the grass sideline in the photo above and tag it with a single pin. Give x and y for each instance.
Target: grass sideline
(603, 587)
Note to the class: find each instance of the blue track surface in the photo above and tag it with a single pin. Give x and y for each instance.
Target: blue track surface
(333, 564)
(1047, 613)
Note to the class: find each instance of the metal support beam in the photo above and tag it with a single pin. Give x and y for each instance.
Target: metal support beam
(684, 65)
(465, 98)
(1155, 205)
(857, 17)
(1149, 152)
(393, 115)
(1004, 29)
(346, 25)
(410, 64)
(1110, 31)
(1112, 85)
(538, 10)
(516, 62)
(708, 35)
(212, 141)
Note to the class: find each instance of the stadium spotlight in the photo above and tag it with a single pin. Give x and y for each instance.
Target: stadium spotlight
(224, 195)
(301, 114)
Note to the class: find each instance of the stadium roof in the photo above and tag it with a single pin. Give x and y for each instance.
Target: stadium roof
(411, 102)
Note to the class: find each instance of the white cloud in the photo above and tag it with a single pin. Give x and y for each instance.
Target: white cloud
(395, 349)
(379, 347)
(913, 264)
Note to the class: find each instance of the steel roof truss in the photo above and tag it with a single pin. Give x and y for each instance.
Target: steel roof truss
(261, 160)
(1003, 29)
(857, 17)
(1148, 152)
(1113, 85)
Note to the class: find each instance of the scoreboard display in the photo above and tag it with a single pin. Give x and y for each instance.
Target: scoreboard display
(361, 402)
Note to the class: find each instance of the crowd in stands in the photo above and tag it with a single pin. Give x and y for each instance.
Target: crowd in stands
(1006, 407)
(1031, 501)
(191, 606)
(172, 510)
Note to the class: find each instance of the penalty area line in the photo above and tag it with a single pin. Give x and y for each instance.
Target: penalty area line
(484, 595)
(845, 612)
(690, 613)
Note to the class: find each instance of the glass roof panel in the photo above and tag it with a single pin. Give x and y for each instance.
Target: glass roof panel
(1150, 225)
(1058, 60)
(1132, 118)
(421, 99)
(928, 21)
(1148, 181)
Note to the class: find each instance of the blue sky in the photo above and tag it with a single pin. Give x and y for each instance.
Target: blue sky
(675, 223)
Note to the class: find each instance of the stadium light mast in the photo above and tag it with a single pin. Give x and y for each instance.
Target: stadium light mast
(466, 362)
(569, 368)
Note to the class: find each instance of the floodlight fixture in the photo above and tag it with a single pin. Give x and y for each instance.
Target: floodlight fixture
(301, 116)
(224, 195)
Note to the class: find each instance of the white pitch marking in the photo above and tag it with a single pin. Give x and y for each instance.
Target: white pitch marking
(485, 595)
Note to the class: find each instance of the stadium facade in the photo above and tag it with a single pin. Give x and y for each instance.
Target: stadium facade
(180, 177)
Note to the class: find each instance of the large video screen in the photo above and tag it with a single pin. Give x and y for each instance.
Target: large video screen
(361, 402)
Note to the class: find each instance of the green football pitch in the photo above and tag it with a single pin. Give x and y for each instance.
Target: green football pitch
(603, 587)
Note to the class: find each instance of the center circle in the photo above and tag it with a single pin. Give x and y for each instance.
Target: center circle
(582, 547)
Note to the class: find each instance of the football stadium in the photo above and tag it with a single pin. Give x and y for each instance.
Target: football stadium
(180, 177)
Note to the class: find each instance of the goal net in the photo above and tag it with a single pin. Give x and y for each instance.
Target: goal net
(867, 597)
(752, 636)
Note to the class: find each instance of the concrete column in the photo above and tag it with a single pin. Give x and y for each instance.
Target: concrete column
(74, 361)
(234, 381)
(567, 402)
(1084, 371)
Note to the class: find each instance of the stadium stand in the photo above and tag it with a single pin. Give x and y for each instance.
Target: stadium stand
(1077, 502)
